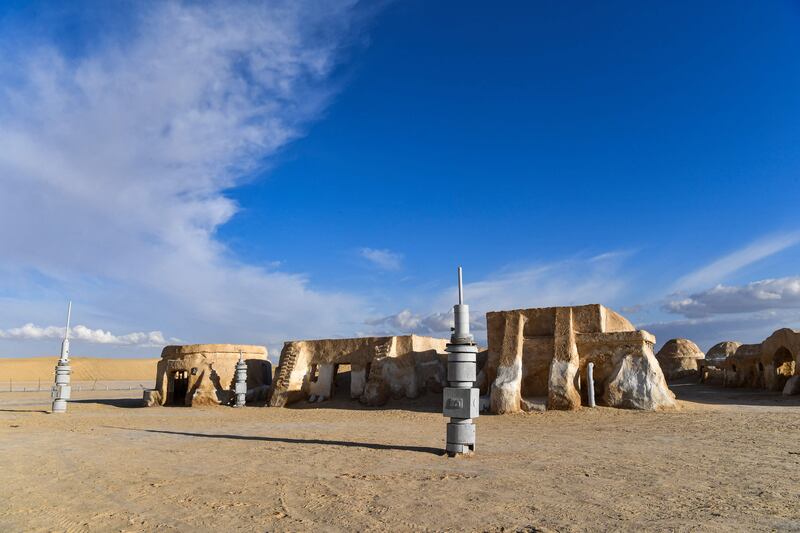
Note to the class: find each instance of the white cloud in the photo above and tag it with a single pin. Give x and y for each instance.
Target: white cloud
(84, 334)
(724, 266)
(435, 324)
(747, 313)
(747, 328)
(569, 282)
(383, 259)
(404, 320)
(782, 293)
(114, 166)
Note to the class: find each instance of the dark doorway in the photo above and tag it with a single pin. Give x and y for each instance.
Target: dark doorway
(341, 380)
(784, 367)
(180, 386)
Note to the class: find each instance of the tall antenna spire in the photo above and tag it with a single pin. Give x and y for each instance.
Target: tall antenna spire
(69, 315)
(460, 288)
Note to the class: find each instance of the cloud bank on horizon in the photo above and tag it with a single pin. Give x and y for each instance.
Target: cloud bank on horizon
(30, 331)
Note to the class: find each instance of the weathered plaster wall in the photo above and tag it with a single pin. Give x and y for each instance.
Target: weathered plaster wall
(780, 358)
(544, 351)
(743, 368)
(774, 364)
(380, 368)
(210, 369)
(679, 358)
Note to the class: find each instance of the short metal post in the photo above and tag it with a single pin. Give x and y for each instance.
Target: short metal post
(240, 382)
(590, 383)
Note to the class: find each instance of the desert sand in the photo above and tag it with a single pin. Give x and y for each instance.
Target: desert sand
(727, 460)
(30, 369)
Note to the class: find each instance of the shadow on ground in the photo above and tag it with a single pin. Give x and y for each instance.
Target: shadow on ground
(425, 403)
(126, 403)
(691, 391)
(289, 440)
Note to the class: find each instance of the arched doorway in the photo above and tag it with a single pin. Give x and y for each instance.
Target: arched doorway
(783, 365)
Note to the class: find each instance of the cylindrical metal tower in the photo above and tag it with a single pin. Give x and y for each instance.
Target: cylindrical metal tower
(461, 399)
(241, 382)
(61, 389)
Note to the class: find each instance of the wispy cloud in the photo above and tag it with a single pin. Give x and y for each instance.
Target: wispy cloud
(438, 324)
(84, 334)
(115, 163)
(714, 311)
(382, 258)
(568, 282)
(721, 268)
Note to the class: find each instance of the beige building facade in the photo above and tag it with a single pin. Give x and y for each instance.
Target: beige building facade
(203, 374)
(541, 355)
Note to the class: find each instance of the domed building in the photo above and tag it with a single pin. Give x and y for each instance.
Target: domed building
(744, 368)
(711, 369)
(679, 358)
(721, 351)
(203, 374)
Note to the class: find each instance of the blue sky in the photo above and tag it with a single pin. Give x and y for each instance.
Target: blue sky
(202, 172)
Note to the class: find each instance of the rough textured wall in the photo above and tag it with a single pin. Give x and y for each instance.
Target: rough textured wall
(710, 368)
(717, 354)
(210, 370)
(380, 368)
(543, 352)
(614, 322)
(562, 394)
(743, 368)
(773, 364)
(679, 358)
(779, 358)
(504, 367)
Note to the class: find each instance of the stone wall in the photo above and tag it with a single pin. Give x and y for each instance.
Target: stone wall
(743, 368)
(680, 358)
(780, 358)
(380, 368)
(543, 352)
(206, 372)
(774, 364)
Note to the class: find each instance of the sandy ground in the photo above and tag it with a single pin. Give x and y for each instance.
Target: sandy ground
(728, 460)
(84, 369)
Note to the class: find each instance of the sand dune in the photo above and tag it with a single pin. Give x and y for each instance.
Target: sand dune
(83, 369)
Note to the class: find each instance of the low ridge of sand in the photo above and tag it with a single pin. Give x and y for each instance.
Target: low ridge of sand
(83, 369)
